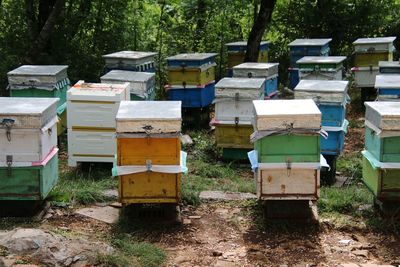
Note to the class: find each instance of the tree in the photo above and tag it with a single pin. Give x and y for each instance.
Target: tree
(261, 22)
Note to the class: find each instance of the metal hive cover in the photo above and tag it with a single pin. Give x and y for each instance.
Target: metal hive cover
(129, 76)
(385, 109)
(25, 105)
(379, 40)
(389, 64)
(265, 108)
(322, 60)
(333, 86)
(149, 110)
(38, 70)
(310, 42)
(243, 43)
(240, 83)
(130, 55)
(387, 81)
(192, 56)
(255, 65)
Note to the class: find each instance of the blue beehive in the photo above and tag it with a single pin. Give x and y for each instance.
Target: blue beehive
(331, 98)
(387, 85)
(294, 77)
(193, 97)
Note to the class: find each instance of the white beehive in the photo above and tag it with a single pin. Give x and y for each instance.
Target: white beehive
(322, 91)
(28, 129)
(383, 115)
(150, 117)
(141, 83)
(234, 97)
(128, 59)
(387, 81)
(365, 76)
(283, 114)
(321, 67)
(380, 44)
(255, 70)
(94, 105)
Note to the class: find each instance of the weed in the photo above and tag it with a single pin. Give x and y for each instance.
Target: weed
(351, 166)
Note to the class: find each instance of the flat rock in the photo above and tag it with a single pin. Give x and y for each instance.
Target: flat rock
(105, 214)
(186, 140)
(361, 252)
(111, 193)
(225, 196)
(222, 263)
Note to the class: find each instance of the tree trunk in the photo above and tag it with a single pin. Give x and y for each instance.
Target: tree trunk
(45, 33)
(263, 19)
(31, 19)
(200, 24)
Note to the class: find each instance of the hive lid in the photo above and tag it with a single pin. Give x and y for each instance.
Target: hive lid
(127, 76)
(389, 64)
(330, 91)
(28, 112)
(244, 43)
(240, 83)
(390, 81)
(255, 70)
(321, 60)
(379, 40)
(130, 55)
(383, 115)
(310, 42)
(149, 116)
(192, 56)
(279, 114)
(256, 66)
(98, 92)
(37, 74)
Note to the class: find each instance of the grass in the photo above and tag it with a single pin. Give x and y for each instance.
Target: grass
(78, 186)
(350, 166)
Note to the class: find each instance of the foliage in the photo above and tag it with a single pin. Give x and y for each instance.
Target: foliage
(351, 166)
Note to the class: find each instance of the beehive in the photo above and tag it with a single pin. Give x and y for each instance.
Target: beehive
(365, 76)
(268, 71)
(28, 141)
(237, 52)
(130, 60)
(388, 84)
(142, 84)
(321, 67)
(192, 96)
(91, 121)
(42, 81)
(149, 156)
(389, 67)
(371, 45)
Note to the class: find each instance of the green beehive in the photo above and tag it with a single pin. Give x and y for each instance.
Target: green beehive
(384, 149)
(287, 131)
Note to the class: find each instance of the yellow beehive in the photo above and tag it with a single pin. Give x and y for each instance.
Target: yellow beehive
(236, 58)
(191, 76)
(233, 136)
(371, 59)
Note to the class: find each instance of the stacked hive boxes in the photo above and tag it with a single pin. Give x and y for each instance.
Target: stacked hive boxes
(381, 157)
(267, 71)
(287, 149)
(389, 67)
(42, 81)
(305, 47)
(321, 68)
(191, 80)
(149, 157)
(234, 113)
(130, 60)
(368, 53)
(142, 84)
(388, 87)
(237, 53)
(91, 121)
(331, 99)
(28, 140)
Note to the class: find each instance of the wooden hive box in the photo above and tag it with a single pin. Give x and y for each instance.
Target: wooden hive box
(389, 67)
(92, 108)
(192, 96)
(32, 181)
(237, 52)
(142, 84)
(28, 131)
(148, 133)
(388, 84)
(330, 97)
(191, 60)
(382, 134)
(371, 59)
(130, 60)
(380, 44)
(268, 71)
(234, 97)
(310, 47)
(365, 76)
(321, 67)
(380, 178)
(233, 136)
(298, 121)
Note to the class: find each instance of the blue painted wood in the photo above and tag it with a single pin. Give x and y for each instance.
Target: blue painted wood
(334, 144)
(193, 97)
(243, 47)
(310, 50)
(190, 63)
(147, 67)
(229, 73)
(271, 87)
(332, 115)
(294, 78)
(389, 91)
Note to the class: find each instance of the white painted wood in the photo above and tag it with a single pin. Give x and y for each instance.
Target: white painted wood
(310, 42)
(365, 76)
(37, 74)
(279, 114)
(321, 60)
(374, 44)
(321, 75)
(28, 112)
(284, 184)
(389, 64)
(95, 104)
(387, 81)
(322, 91)
(383, 115)
(128, 58)
(149, 117)
(28, 145)
(192, 56)
(240, 88)
(242, 43)
(141, 83)
(228, 110)
(255, 70)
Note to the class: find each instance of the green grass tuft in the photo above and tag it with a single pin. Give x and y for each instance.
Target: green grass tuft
(351, 166)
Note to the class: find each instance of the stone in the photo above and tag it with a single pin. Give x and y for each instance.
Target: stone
(348, 265)
(223, 263)
(345, 241)
(186, 140)
(181, 259)
(194, 217)
(216, 253)
(106, 214)
(111, 193)
(363, 253)
(187, 221)
(225, 196)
